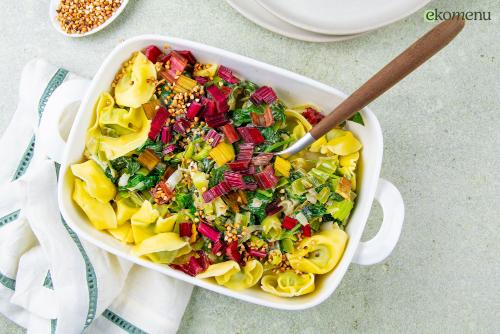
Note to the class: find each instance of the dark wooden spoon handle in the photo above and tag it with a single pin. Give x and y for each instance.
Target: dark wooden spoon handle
(418, 53)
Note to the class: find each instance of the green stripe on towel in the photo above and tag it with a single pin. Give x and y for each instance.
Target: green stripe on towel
(9, 218)
(91, 277)
(122, 323)
(7, 282)
(56, 80)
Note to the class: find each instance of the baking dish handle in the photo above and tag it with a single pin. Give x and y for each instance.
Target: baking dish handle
(382, 244)
(61, 107)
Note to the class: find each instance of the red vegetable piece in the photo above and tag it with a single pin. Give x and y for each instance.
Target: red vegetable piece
(164, 58)
(249, 171)
(265, 120)
(209, 106)
(161, 193)
(166, 135)
(289, 223)
(257, 253)
(212, 137)
(239, 165)
(306, 230)
(273, 208)
(177, 65)
(152, 52)
(218, 246)
(208, 231)
(188, 56)
(251, 135)
(221, 189)
(263, 94)
(230, 133)
(181, 126)
(235, 180)
(185, 229)
(227, 75)
(262, 159)
(201, 80)
(193, 110)
(220, 99)
(194, 266)
(215, 120)
(251, 186)
(203, 260)
(232, 251)
(169, 149)
(158, 122)
(246, 151)
(313, 116)
(267, 179)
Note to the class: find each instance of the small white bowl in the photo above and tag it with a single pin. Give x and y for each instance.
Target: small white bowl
(53, 14)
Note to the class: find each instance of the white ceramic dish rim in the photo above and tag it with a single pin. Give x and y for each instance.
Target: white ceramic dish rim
(339, 30)
(52, 15)
(362, 253)
(254, 12)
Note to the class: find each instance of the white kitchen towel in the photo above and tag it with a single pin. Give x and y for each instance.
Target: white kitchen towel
(51, 281)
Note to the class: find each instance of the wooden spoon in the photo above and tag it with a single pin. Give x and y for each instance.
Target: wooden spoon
(417, 54)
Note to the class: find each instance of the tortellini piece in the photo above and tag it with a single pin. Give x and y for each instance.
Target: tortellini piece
(342, 143)
(100, 214)
(123, 233)
(138, 82)
(107, 147)
(142, 222)
(97, 184)
(124, 210)
(229, 274)
(319, 253)
(223, 270)
(118, 122)
(248, 277)
(288, 284)
(162, 247)
(166, 224)
(271, 227)
(294, 118)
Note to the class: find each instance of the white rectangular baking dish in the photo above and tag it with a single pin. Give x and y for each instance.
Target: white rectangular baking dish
(293, 89)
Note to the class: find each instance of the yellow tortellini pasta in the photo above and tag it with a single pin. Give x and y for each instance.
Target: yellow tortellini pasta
(244, 279)
(107, 147)
(319, 253)
(138, 82)
(342, 143)
(162, 247)
(123, 233)
(271, 226)
(97, 183)
(100, 214)
(231, 276)
(142, 222)
(223, 270)
(293, 118)
(124, 210)
(118, 121)
(288, 284)
(166, 224)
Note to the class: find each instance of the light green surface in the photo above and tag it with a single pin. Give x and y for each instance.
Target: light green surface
(442, 150)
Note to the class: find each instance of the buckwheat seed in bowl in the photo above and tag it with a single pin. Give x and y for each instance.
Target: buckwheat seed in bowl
(82, 16)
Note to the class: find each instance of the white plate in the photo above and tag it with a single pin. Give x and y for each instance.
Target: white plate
(259, 15)
(341, 17)
(52, 14)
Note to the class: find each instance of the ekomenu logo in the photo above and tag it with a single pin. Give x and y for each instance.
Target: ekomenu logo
(432, 15)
